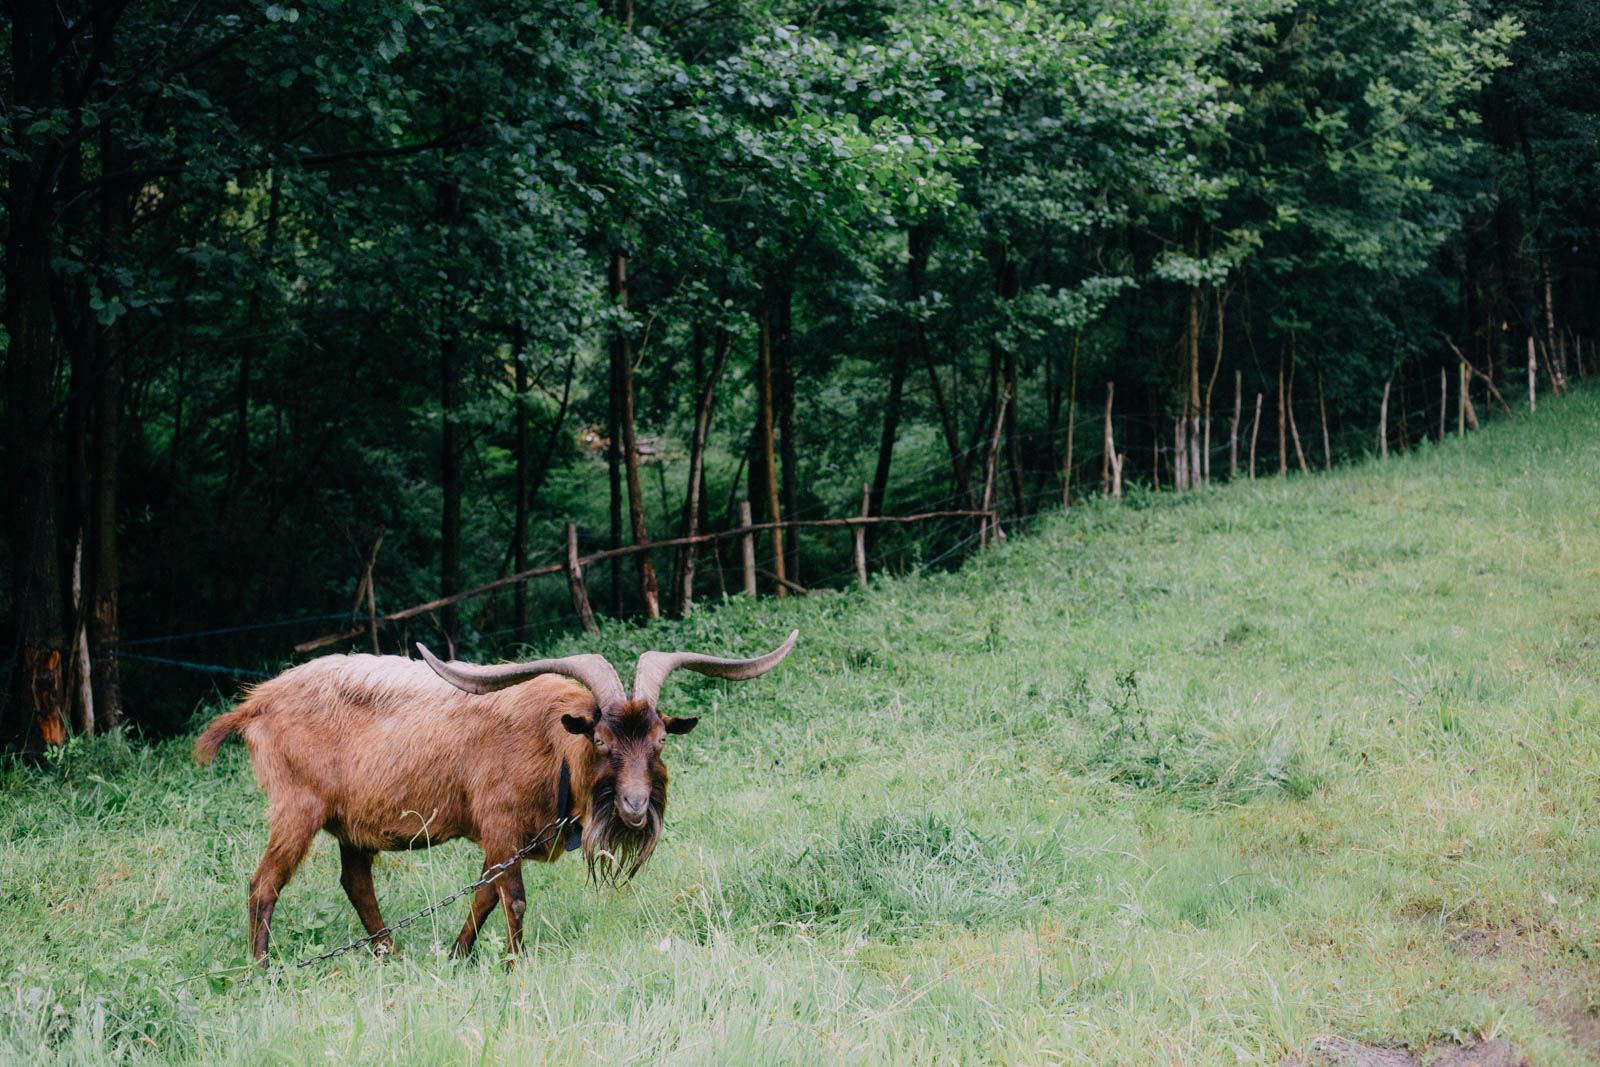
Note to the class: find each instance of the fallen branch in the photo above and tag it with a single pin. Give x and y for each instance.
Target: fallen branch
(1486, 379)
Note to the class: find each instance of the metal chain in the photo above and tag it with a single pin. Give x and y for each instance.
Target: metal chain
(489, 875)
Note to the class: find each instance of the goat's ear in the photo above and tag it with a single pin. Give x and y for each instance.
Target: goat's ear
(676, 725)
(579, 724)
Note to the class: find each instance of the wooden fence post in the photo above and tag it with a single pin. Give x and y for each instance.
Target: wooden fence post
(1470, 409)
(748, 544)
(861, 535)
(1233, 426)
(1255, 426)
(580, 595)
(991, 466)
(1461, 400)
(1533, 378)
(1444, 402)
(1109, 457)
(1383, 423)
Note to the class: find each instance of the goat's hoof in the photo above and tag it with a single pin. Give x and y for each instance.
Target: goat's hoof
(458, 951)
(511, 963)
(384, 951)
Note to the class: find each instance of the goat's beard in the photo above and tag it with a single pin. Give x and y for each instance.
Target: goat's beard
(614, 850)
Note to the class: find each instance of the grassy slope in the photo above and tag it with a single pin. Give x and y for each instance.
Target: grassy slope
(1192, 781)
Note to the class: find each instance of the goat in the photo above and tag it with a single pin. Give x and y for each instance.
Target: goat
(383, 753)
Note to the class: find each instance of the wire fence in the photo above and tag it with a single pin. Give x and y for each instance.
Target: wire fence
(946, 522)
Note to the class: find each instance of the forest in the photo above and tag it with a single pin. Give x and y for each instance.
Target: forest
(315, 304)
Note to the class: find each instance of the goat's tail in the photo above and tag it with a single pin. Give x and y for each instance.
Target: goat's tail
(223, 727)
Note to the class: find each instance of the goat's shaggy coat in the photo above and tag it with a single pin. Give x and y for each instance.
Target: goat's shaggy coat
(385, 755)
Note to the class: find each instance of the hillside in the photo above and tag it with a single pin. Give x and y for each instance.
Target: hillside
(1191, 780)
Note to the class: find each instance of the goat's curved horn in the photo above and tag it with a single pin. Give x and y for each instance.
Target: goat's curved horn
(654, 667)
(590, 669)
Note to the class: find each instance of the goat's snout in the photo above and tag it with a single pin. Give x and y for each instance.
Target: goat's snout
(632, 809)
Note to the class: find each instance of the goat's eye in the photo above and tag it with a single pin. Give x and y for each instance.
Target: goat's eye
(659, 742)
(602, 748)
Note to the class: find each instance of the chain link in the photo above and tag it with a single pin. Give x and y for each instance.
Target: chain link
(489, 875)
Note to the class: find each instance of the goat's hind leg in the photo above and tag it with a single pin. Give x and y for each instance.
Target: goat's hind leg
(287, 843)
(355, 874)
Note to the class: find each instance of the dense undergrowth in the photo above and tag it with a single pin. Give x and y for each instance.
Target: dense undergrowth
(1178, 781)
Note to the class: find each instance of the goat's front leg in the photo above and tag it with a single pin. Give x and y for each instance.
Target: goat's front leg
(515, 902)
(483, 902)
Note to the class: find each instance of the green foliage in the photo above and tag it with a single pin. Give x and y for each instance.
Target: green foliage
(348, 231)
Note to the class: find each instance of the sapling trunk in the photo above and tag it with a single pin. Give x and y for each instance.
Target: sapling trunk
(1072, 419)
(622, 353)
(768, 457)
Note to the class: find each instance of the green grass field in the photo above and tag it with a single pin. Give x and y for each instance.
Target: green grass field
(1184, 781)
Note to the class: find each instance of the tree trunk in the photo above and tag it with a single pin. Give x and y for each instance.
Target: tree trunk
(239, 469)
(919, 240)
(767, 457)
(38, 615)
(1557, 384)
(952, 437)
(74, 326)
(1072, 421)
(783, 411)
(1180, 453)
(1294, 431)
(107, 439)
(1233, 425)
(1191, 403)
(694, 500)
(1322, 409)
(1383, 423)
(1109, 448)
(1255, 426)
(1216, 366)
(1533, 385)
(891, 423)
(519, 522)
(614, 466)
(450, 404)
(622, 358)
(1007, 285)
(1019, 502)
(859, 548)
(576, 590)
(1283, 423)
(991, 462)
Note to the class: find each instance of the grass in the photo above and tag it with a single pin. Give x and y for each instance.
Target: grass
(1179, 781)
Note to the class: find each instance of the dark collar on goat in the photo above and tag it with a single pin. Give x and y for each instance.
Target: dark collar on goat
(564, 807)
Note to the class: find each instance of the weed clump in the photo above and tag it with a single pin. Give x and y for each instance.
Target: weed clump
(1197, 757)
(893, 876)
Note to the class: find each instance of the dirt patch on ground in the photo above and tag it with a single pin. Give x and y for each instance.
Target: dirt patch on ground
(1562, 995)
(1339, 1052)
(1558, 994)
(1583, 1030)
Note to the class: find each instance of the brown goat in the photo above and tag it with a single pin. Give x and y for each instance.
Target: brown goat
(383, 753)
